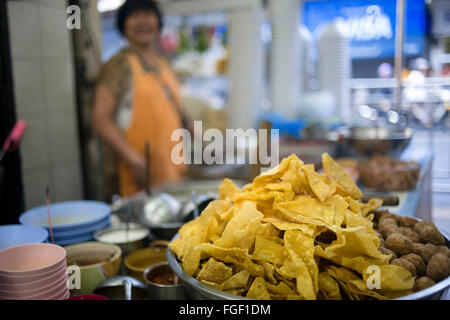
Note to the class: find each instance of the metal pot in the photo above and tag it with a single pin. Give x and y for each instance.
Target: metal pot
(158, 291)
(122, 288)
(134, 243)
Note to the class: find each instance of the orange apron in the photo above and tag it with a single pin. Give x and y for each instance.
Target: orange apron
(154, 119)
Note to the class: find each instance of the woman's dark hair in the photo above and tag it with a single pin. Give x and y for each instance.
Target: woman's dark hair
(131, 6)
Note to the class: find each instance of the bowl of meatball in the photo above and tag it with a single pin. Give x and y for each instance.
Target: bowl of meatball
(419, 247)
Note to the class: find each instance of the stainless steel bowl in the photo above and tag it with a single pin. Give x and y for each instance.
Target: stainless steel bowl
(366, 141)
(195, 289)
(200, 291)
(126, 246)
(122, 288)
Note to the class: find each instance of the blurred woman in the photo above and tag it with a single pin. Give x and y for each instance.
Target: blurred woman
(137, 100)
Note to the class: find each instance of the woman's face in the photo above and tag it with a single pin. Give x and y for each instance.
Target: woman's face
(141, 27)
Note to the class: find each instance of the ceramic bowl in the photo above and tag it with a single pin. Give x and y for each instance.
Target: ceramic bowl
(97, 262)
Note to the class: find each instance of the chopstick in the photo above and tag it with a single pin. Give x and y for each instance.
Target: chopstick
(48, 215)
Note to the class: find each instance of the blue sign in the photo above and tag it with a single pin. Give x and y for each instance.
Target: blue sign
(370, 24)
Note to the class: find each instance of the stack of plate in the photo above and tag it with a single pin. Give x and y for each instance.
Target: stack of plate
(286, 67)
(35, 271)
(246, 68)
(72, 221)
(17, 234)
(334, 68)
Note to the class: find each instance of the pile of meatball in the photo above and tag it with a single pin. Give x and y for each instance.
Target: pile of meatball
(415, 245)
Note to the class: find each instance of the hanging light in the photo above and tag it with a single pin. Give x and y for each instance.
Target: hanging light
(109, 5)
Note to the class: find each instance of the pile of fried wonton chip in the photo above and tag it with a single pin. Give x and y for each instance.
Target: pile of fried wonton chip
(291, 234)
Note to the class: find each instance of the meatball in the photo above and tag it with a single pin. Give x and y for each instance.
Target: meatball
(386, 230)
(418, 262)
(405, 264)
(379, 214)
(419, 225)
(407, 222)
(445, 250)
(426, 251)
(431, 235)
(385, 221)
(383, 250)
(439, 267)
(400, 244)
(410, 234)
(422, 283)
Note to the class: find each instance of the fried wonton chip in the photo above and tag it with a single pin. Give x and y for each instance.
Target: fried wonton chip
(241, 229)
(228, 190)
(269, 270)
(283, 224)
(268, 251)
(237, 256)
(300, 248)
(371, 206)
(329, 287)
(270, 238)
(394, 278)
(290, 164)
(258, 290)
(238, 280)
(307, 209)
(338, 173)
(322, 190)
(214, 271)
(280, 289)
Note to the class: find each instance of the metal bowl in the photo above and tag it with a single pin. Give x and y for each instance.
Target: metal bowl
(195, 289)
(366, 141)
(129, 246)
(122, 288)
(200, 291)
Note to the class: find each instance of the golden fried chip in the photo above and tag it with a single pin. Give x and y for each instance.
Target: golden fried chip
(300, 248)
(283, 224)
(343, 180)
(322, 190)
(269, 270)
(267, 239)
(307, 209)
(281, 289)
(276, 173)
(258, 290)
(371, 206)
(237, 256)
(329, 287)
(214, 271)
(268, 251)
(395, 278)
(241, 229)
(228, 190)
(238, 280)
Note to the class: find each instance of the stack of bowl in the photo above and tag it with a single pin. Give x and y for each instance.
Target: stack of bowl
(72, 221)
(16, 234)
(35, 271)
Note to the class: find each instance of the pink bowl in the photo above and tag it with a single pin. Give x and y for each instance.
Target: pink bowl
(43, 282)
(21, 280)
(89, 297)
(30, 259)
(48, 289)
(62, 295)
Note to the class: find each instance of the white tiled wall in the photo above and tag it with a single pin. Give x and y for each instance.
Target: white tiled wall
(44, 86)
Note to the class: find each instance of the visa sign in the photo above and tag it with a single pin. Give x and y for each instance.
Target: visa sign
(370, 25)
